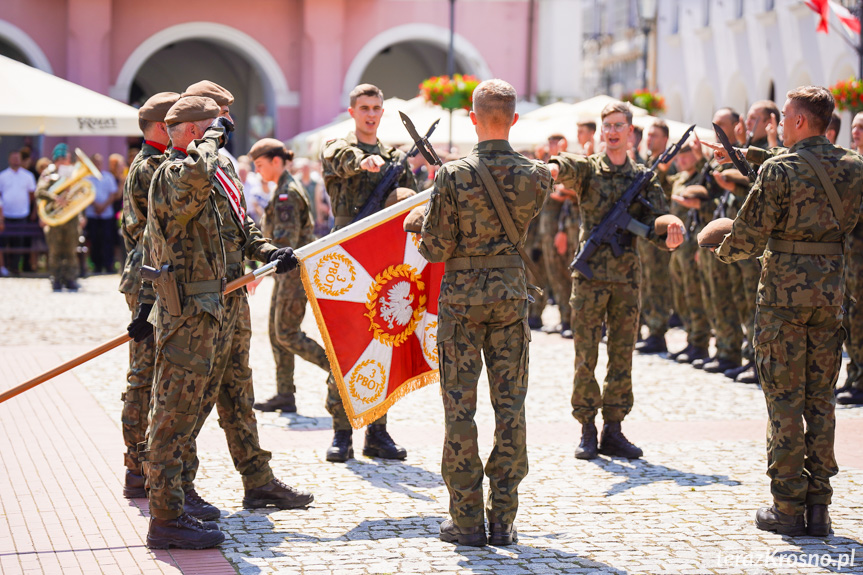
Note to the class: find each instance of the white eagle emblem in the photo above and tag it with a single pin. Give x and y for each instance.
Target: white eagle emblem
(396, 307)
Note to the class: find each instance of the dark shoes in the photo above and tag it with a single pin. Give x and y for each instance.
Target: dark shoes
(614, 443)
(470, 536)
(502, 534)
(674, 355)
(277, 494)
(817, 521)
(720, 365)
(653, 344)
(587, 448)
(134, 486)
(771, 519)
(692, 353)
(56, 286)
(380, 444)
(748, 375)
(342, 448)
(280, 402)
(734, 372)
(534, 322)
(71, 285)
(850, 397)
(184, 532)
(197, 507)
(565, 330)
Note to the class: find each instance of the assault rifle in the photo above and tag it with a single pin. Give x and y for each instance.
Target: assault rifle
(388, 182)
(618, 221)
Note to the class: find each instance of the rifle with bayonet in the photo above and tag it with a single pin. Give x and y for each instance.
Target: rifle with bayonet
(618, 220)
(739, 161)
(389, 181)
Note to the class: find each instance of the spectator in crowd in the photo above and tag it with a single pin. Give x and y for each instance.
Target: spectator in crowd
(101, 222)
(17, 186)
(586, 135)
(256, 191)
(261, 124)
(834, 127)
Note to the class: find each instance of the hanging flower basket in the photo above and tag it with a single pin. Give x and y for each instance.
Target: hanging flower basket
(653, 102)
(848, 94)
(450, 93)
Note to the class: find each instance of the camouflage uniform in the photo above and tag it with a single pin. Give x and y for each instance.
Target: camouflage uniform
(613, 293)
(854, 305)
(656, 298)
(556, 265)
(798, 335)
(288, 222)
(349, 188)
(142, 355)
(533, 246)
(483, 311)
(62, 240)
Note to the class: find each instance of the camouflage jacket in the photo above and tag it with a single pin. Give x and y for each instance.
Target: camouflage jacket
(599, 184)
(693, 219)
(348, 186)
(787, 202)
(135, 192)
(184, 224)
(460, 221)
(288, 217)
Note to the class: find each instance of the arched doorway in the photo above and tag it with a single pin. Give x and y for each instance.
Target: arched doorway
(399, 69)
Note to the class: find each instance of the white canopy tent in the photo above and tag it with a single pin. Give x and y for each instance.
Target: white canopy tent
(35, 102)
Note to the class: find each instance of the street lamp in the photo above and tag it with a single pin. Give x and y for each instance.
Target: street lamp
(647, 17)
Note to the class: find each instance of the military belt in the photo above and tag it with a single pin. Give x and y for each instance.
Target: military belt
(234, 257)
(208, 286)
(806, 248)
(483, 262)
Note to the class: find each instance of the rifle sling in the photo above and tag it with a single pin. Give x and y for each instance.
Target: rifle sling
(826, 183)
(502, 212)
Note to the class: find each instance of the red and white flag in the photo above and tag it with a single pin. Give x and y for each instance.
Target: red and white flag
(823, 7)
(375, 300)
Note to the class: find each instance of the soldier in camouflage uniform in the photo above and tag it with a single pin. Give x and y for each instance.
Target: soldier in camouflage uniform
(287, 222)
(142, 355)
(62, 239)
(483, 312)
(802, 208)
(613, 293)
(352, 168)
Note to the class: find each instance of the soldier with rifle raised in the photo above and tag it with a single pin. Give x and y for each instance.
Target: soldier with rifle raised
(353, 167)
(619, 200)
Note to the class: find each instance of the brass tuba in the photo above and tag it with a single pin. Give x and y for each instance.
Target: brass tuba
(76, 192)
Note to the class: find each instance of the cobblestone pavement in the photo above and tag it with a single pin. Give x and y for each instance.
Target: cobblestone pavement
(687, 507)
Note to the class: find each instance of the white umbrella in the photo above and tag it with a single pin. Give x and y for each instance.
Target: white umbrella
(35, 102)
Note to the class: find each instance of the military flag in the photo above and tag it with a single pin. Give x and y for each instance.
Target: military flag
(375, 301)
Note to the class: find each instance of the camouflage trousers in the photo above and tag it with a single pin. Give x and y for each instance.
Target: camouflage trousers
(62, 243)
(726, 320)
(798, 352)
(616, 304)
(854, 305)
(688, 297)
(556, 265)
(337, 410)
(466, 334)
(656, 302)
(136, 398)
(745, 276)
(287, 309)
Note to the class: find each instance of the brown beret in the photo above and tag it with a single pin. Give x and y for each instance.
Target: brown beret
(414, 221)
(210, 90)
(155, 108)
(695, 192)
(192, 109)
(660, 225)
(398, 195)
(736, 178)
(265, 146)
(714, 232)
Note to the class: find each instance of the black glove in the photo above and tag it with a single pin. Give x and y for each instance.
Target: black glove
(225, 124)
(287, 261)
(140, 329)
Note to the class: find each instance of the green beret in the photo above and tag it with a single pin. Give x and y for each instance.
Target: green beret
(192, 109)
(155, 108)
(210, 90)
(266, 146)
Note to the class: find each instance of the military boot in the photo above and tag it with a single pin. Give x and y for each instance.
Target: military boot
(470, 536)
(184, 532)
(720, 365)
(653, 344)
(502, 534)
(565, 330)
(749, 375)
(771, 519)
(733, 372)
(134, 486)
(674, 355)
(283, 402)
(277, 494)
(196, 506)
(380, 444)
(56, 285)
(817, 521)
(587, 448)
(613, 442)
(693, 354)
(342, 448)
(850, 397)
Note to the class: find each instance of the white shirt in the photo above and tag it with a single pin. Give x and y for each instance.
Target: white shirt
(104, 188)
(15, 188)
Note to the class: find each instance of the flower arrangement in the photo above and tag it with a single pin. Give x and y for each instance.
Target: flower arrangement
(450, 93)
(848, 94)
(653, 102)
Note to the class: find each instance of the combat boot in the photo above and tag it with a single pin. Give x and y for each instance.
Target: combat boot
(134, 486)
(817, 520)
(587, 448)
(197, 507)
(380, 444)
(277, 494)
(693, 354)
(565, 330)
(56, 285)
(184, 532)
(283, 402)
(850, 397)
(749, 375)
(613, 442)
(733, 372)
(342, 448)
(502, 534)
(720, 365)
(653, 344)
(771, 519)
(71, 285)
(470, 536)
(674, 355)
